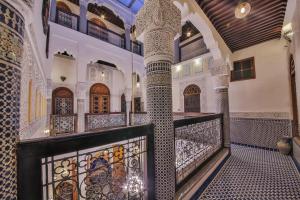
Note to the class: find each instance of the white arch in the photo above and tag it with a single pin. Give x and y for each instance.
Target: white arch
(191, 12)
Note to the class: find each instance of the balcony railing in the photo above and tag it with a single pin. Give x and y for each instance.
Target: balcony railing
(136, 48)
(196, 141)
(66, 19)
(63, 124)
(113, 164)
(139, 118)
(100, 121)
(106, 35)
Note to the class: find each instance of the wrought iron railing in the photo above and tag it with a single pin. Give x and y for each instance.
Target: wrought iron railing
(99, 121)
(114, 164)
(136, 47)
(66, 19)
(196, 141)
(63, 124)
(106, 35)
(139, 118)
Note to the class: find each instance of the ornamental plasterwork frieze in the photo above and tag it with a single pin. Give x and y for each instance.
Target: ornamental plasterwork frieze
(160, 21)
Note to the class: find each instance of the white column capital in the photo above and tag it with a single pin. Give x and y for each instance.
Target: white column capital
(159, 21)
(84, 3)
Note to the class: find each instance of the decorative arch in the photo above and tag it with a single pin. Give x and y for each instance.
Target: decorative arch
(99, 99)
(63, 6)
(192, 98)
(62, 101)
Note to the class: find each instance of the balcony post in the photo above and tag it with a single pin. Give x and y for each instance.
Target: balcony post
(221, 77)
(53, 10)
(127, 37)
(128, 95)
(83, 19)
(176, 50)
(12, 26)
(160, 21)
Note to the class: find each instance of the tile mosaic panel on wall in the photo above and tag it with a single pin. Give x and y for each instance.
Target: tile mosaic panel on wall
(260, 129)
(11, 49)
(33, 95)
(94, 121)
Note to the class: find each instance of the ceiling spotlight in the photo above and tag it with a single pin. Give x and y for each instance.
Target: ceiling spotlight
(188, 34)
(103, 16)
(242, 10)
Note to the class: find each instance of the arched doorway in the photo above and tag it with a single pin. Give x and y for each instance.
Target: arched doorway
(62, 101)
(192, 98)
(99, 99)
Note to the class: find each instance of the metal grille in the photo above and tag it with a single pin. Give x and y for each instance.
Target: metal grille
(112, 172)
(196, 140)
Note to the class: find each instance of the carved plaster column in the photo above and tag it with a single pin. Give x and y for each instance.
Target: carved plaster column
(83, 19)
(127, 37)
(53, 10)
(12, 30)
(159, 21)
(49, 103)
(81, 88)
(221, 79)
(128, 94)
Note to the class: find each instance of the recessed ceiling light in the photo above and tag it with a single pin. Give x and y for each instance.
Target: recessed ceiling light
(242, 10)
(188, 34)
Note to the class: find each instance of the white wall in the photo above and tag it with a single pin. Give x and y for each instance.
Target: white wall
(85, 50)
(184, 74)
(270, 91)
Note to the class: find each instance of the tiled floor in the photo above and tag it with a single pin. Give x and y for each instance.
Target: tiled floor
(255, 174)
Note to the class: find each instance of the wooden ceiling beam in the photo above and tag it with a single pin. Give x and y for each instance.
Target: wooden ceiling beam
(263, 25)
(259, 7)
(250, 25)
(249, 20)
(236, 48)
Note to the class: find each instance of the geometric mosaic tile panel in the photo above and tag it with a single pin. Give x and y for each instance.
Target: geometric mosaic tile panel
(259, 132)
(94, 121)
(257, 174)
(11, 49)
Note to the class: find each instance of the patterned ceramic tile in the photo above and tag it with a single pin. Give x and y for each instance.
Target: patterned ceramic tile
(256, 174)
(259, 132)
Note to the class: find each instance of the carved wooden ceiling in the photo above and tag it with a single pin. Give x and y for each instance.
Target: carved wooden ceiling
(262, 24)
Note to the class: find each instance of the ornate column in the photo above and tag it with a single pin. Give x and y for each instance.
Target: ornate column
(83, 20)
(53, 10)
(11, 49)
(128, 94)
(127, 37)
(176, 51)
(221, 79)
(49, 103)
(159, 21)
(81, 88)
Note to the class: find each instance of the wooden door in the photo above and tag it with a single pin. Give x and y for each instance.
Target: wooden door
(192, 99)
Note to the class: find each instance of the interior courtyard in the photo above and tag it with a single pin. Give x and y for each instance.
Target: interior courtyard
(149, 99)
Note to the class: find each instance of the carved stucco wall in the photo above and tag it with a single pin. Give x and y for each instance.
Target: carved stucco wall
(30, 71)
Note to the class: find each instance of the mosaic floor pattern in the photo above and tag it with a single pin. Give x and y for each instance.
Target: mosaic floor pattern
(255, 174)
